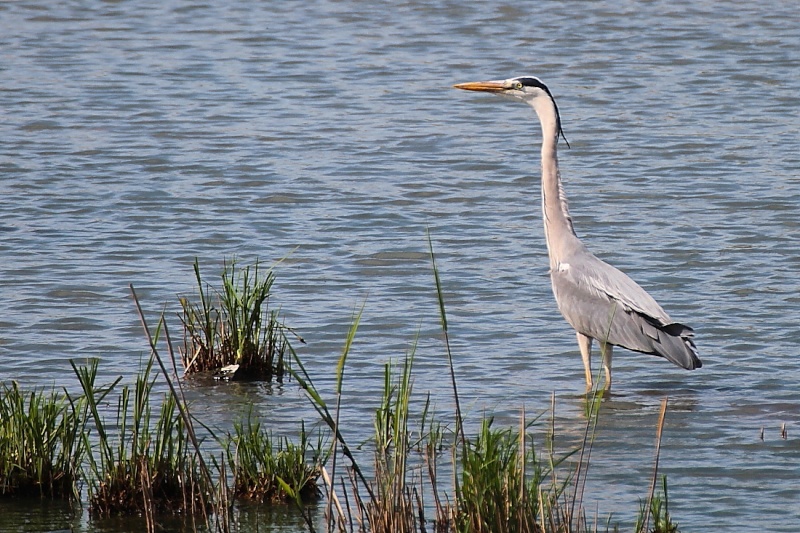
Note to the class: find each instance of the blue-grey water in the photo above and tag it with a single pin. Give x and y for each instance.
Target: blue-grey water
(136, 136)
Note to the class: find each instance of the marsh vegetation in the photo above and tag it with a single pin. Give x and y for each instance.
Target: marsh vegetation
(136, 451)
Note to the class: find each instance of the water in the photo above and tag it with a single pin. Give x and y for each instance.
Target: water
(137, 137)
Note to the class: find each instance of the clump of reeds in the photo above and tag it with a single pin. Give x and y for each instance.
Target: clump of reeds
(272, 470)
(495, 491)
(659, 511)
(396, 502)
(142, 463)
(232, 331)
(262, 470)
(40, 444)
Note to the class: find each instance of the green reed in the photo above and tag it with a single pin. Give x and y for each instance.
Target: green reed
(396, 485)
(494, 490)
(40, 443)
(234, 326)
(266, 469)
(659, 511)
(142, 462)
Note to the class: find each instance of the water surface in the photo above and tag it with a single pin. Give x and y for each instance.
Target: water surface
(137, 137)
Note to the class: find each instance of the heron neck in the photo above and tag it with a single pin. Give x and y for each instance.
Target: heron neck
(558, 230)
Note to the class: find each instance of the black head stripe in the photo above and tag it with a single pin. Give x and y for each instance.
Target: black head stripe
(535, 82)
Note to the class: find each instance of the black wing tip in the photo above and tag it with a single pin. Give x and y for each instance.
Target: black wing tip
(690, 358)
(678, 330)
(696, 362)
(678, 347)
(693, 361)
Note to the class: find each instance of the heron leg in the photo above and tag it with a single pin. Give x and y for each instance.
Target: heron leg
(585, 344)
(607, 350)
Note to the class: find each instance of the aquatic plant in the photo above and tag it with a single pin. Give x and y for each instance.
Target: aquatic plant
(232, 331)
(40, 443)
(266, 469)
(141, 463)
(658, 509)
(148, 461)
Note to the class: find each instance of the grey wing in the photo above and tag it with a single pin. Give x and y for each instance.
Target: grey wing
(604, 303)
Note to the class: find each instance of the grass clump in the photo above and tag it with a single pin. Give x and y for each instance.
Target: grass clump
(142, 463)
(272, 470)
(232, 331)
(396, 495)
(495, 493)
(659, 511)
(136, 451)
(40, 443)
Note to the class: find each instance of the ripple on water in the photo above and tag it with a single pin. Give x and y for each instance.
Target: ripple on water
(137, 139)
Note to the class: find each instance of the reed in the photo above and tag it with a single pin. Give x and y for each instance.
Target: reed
(142, 463)
(40, 444)
(232, 331)
(266, 469)
(658, 509)
(657, 504)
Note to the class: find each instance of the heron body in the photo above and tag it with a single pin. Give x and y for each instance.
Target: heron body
(599, 301)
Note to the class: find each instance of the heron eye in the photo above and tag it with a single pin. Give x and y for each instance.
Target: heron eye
(518, 85)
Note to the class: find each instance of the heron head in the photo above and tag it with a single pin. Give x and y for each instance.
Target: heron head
(526, 89)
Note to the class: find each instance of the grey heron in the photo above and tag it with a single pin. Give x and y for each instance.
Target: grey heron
(600, 302)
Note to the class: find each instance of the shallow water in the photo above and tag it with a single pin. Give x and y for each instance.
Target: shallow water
(138, 137)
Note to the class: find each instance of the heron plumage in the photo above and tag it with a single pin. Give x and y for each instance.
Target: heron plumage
(599, 301)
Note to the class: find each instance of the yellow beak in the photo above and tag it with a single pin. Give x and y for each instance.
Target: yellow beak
(482, 86)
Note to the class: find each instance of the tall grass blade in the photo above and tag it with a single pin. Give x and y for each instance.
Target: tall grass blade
(443, 317)
(659, 428)
(182, 409)
(351, 334)
(305, 382)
